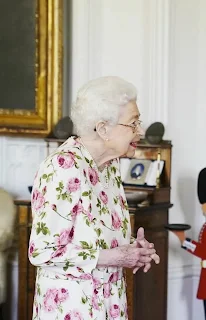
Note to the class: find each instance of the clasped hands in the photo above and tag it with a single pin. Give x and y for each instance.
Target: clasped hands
(147, 254)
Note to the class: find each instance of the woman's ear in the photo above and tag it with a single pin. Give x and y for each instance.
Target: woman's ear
(102, 130)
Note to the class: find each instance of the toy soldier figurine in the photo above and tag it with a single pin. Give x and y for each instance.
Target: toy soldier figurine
(198, 248)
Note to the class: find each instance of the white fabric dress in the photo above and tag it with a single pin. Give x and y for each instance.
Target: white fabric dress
(74, 217)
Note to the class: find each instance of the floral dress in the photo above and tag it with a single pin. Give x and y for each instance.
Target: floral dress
(74, 217)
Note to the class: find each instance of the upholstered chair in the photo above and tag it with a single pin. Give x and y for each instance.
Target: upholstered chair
(7, 222)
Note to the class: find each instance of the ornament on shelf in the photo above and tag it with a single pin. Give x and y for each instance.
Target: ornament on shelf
(64, 128)
(155, 133)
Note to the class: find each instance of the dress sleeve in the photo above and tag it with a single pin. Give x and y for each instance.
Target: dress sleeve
(63, 236)
(198, 249)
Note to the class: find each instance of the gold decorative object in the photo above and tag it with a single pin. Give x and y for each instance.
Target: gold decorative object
(45, 108)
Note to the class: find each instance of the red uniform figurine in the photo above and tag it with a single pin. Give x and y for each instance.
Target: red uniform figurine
(198, 248)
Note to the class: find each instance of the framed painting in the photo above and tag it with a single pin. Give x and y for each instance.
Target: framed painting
(31, 50)
(137, 172)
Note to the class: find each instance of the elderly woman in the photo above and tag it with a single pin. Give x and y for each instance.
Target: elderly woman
(80, 239)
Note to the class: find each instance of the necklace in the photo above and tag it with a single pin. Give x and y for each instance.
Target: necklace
(103, 174)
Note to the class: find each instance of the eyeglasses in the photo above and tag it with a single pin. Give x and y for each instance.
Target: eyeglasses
(134, 125)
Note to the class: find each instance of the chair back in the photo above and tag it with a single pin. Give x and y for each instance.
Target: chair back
(7, 222)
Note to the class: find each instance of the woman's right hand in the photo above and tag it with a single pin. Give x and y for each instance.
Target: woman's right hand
(141, 242)
(130, 256)
(126, 256)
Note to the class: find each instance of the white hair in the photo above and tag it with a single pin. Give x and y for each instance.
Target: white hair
(100, 100)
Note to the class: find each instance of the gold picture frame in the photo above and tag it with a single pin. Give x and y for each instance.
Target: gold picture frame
(43, 108)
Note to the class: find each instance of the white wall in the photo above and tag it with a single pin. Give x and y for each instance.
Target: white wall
(159, 45)
(128, 39)
(186, 128)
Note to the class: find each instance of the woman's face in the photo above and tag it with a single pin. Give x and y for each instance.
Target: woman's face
(124, 137)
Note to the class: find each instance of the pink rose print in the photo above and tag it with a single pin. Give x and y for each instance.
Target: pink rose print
(73, 185)
(50, 300)
(37, 199)
(114, 311)
(114, 277)
(103, 197)
(66, 161)
(96, 283)
(90, 216)
(88, 213)
(76, 210)
(107, 290)
(86, 276)
(122, 203)
(114, 243)
(31, 248)
(93, 176)
(53, 298)
(62, 295)
(73, 315)
(54, 207)
(44, 190)
(59, 252)
(80, 269)
(69, 276)
(37, 310)
(95, 304)
(116, 221)
(65, 237)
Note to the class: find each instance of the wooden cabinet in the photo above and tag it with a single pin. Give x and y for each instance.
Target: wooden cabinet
(146, 293)
(27, 272)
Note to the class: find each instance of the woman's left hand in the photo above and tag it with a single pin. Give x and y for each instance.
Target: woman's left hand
(143, 243)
